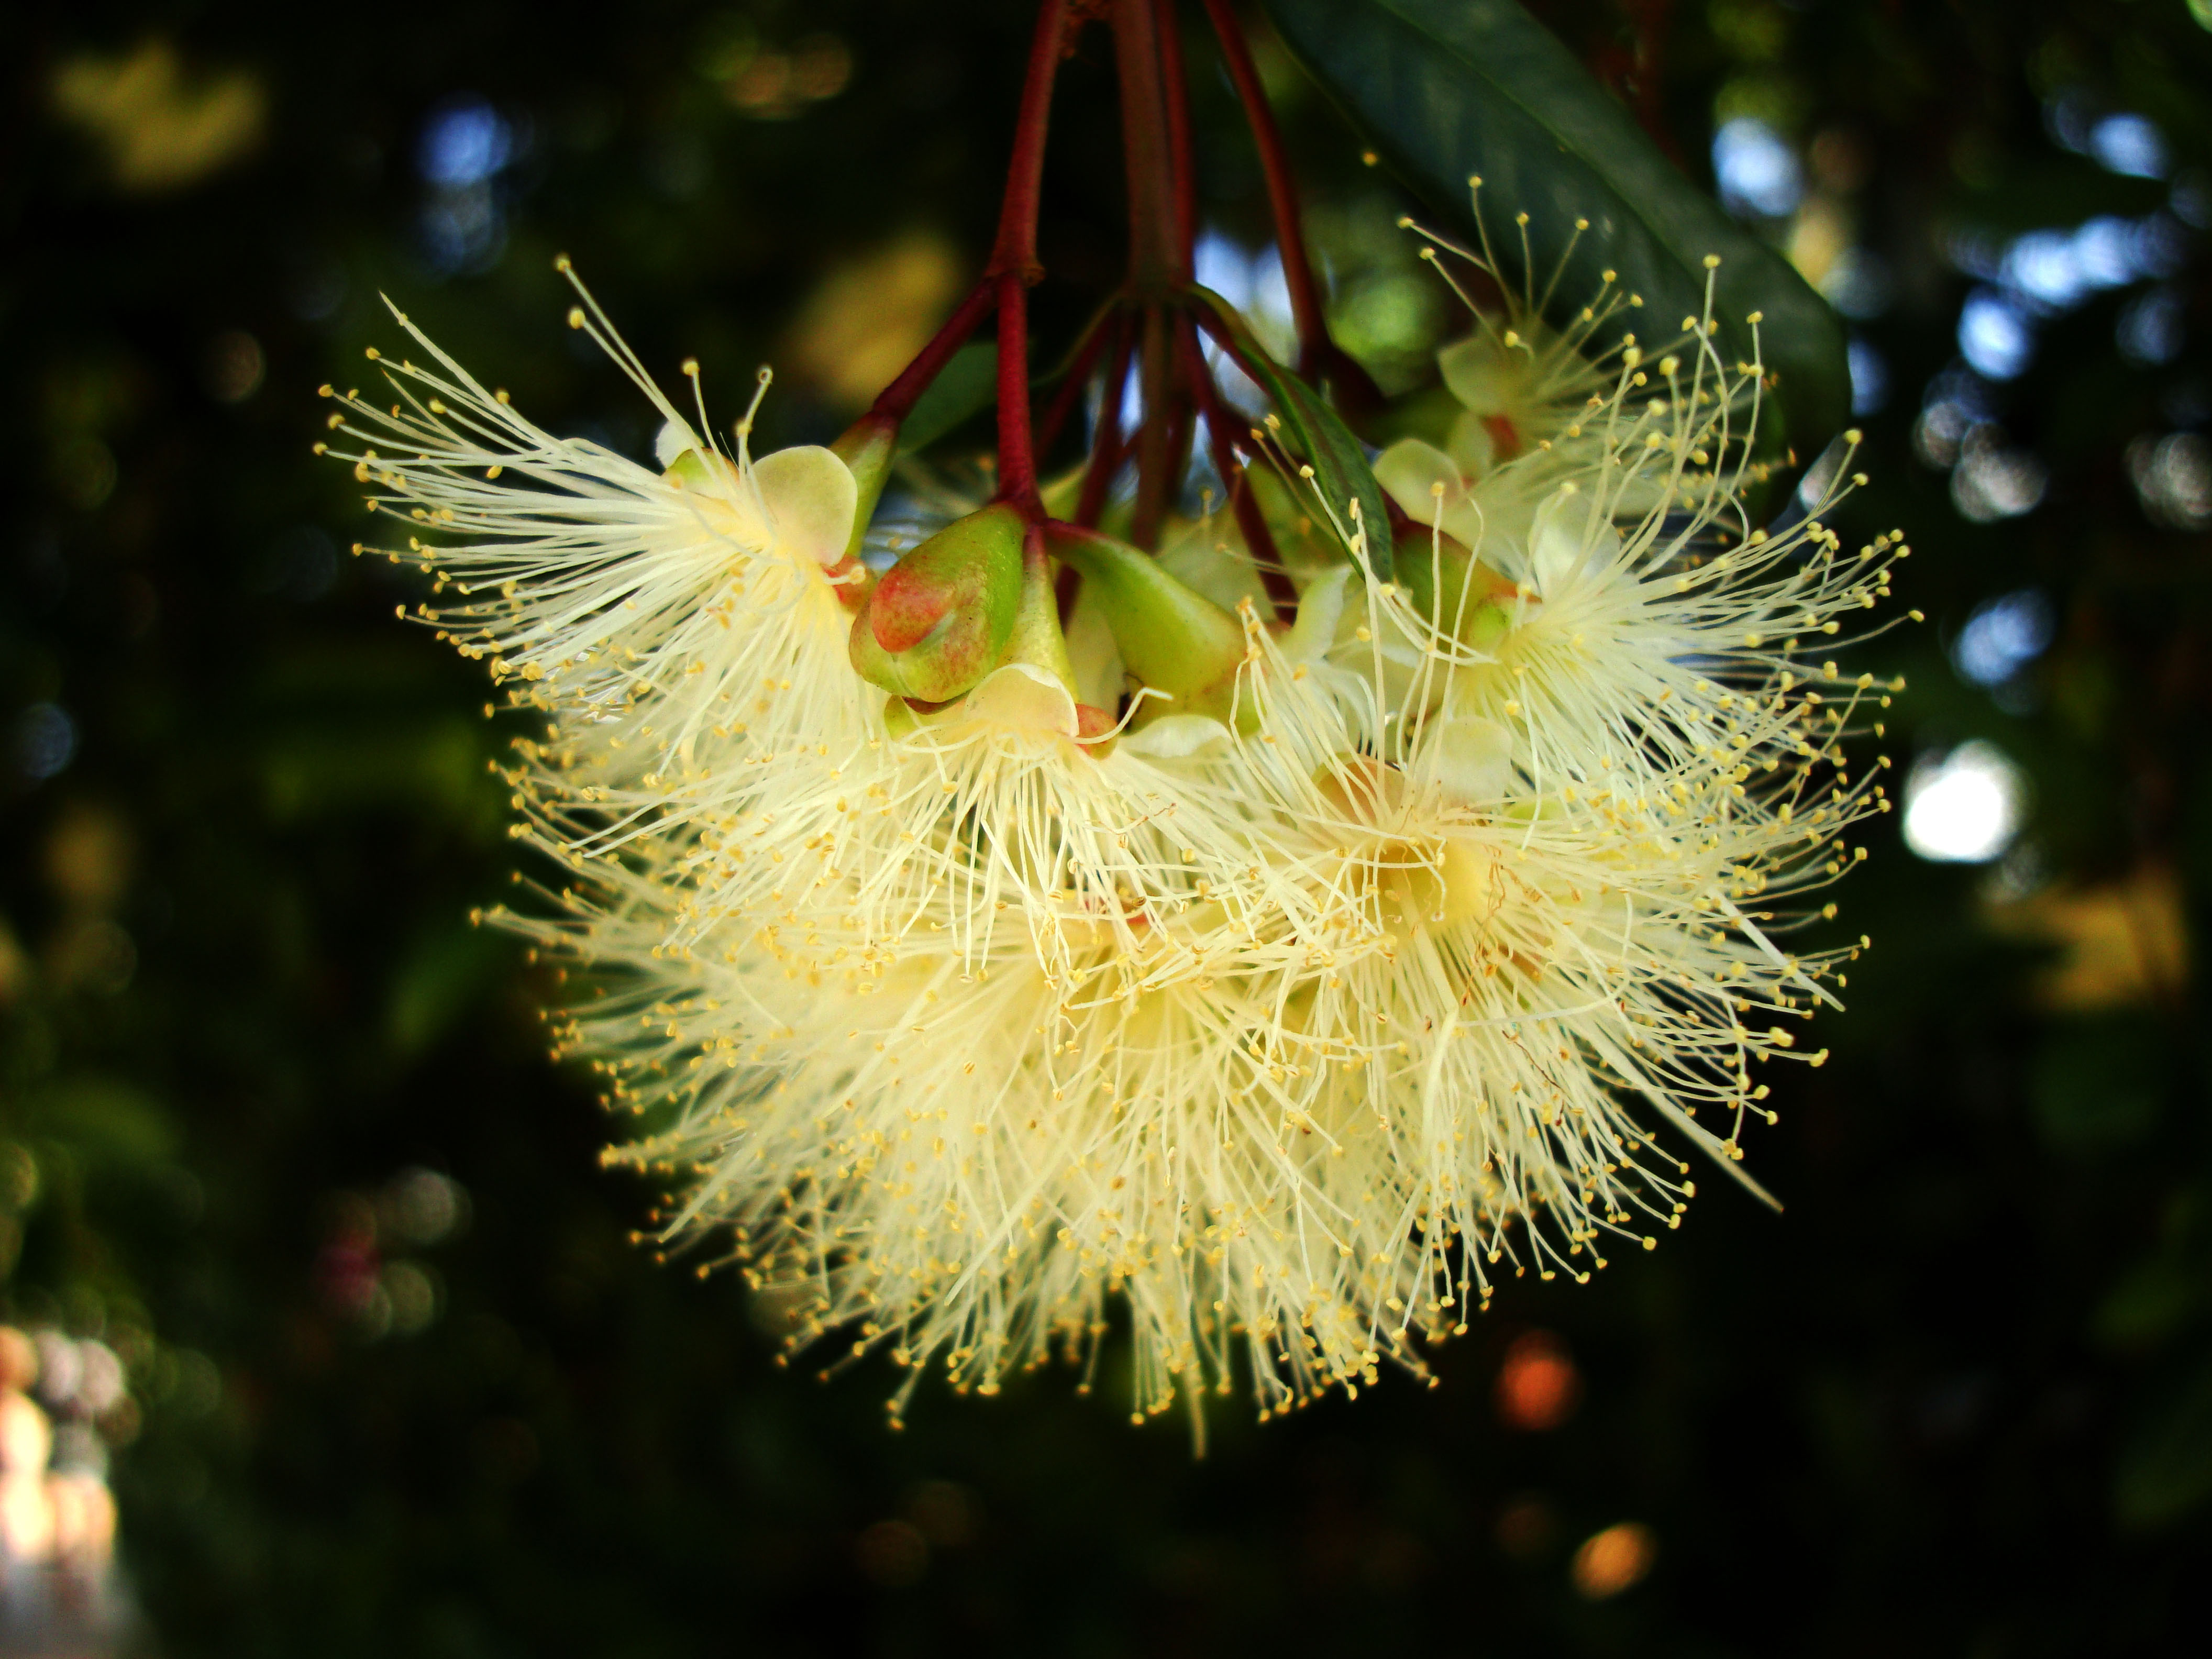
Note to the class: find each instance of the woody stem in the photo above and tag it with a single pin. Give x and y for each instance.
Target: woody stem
(1282, 189)
(896, 400)
(1014, 265)
(1159, 260)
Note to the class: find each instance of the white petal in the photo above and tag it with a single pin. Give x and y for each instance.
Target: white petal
(1482, 372)
(1473, 445)
(1471, 758)
(811, 499)
(1093, 656)
(1565, 543)
(1024, 698)
(1466, 522)
(1319, 609)
(1172, 737)
(675, 437)
(1411, 469)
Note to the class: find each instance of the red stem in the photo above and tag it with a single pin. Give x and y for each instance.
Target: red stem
(1016, 250)
(1017, 457)
(1016, 247)
(1014, 261)
(1282, 190)
(1182, 166)
(1175, 446)
(1223, 337)
(1152, 243)
(1158, 265)
(895, 402)
(1110, 462)
(1106, 450)
(1156, 461)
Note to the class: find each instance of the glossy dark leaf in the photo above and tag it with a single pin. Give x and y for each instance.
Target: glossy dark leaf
(1312, 432)
(1448, 89)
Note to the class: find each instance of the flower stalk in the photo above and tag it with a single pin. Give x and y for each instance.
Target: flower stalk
(1319, 356)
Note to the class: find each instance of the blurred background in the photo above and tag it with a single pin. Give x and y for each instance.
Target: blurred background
(306, 1247)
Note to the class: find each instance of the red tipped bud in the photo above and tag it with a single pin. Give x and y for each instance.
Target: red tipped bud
(938, 619)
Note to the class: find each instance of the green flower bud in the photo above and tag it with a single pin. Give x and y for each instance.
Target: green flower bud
(1172, 638)
(1453, 589)
(940, 618)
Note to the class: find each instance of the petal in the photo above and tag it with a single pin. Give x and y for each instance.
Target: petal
(1092, 654)
(1483, 374)
(1564, 543)
(1319, 607)
(812, 500)
(1024, 698)
(1471, 759)
(1473, 445)
(1411, 469)
(1467, 522)
(674, 438)
(1172, 737)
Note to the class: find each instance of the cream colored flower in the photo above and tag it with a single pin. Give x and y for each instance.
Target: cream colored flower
(1289, 1010)
(652, 612)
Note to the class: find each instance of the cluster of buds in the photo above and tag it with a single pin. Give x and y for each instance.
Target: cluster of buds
(1278, 914)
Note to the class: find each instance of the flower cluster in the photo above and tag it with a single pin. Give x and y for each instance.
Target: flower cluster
(975, 978)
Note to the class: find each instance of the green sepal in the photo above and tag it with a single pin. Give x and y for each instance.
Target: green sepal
(868, 446)
(1036, 639)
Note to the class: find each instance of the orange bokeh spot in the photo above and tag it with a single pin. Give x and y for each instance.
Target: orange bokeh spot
(1538, 1386)
(1612, 1561)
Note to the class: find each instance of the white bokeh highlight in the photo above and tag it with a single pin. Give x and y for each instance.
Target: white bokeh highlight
(1965, 806)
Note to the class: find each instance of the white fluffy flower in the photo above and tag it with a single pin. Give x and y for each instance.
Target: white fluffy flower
(652, 612)
(1379, 962)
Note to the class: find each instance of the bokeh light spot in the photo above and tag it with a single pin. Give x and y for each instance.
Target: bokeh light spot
(1615, 1560)
(1538, 1386)
(1963, 807)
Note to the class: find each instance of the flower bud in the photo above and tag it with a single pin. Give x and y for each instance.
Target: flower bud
(1452, 589)
(939, 618)
(1172, 638)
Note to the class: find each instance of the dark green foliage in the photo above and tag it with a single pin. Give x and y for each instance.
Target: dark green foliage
(1451, 90)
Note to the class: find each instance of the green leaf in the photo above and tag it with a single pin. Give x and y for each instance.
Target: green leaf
(1312, 431)
(1447, 90)
(967, 386)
